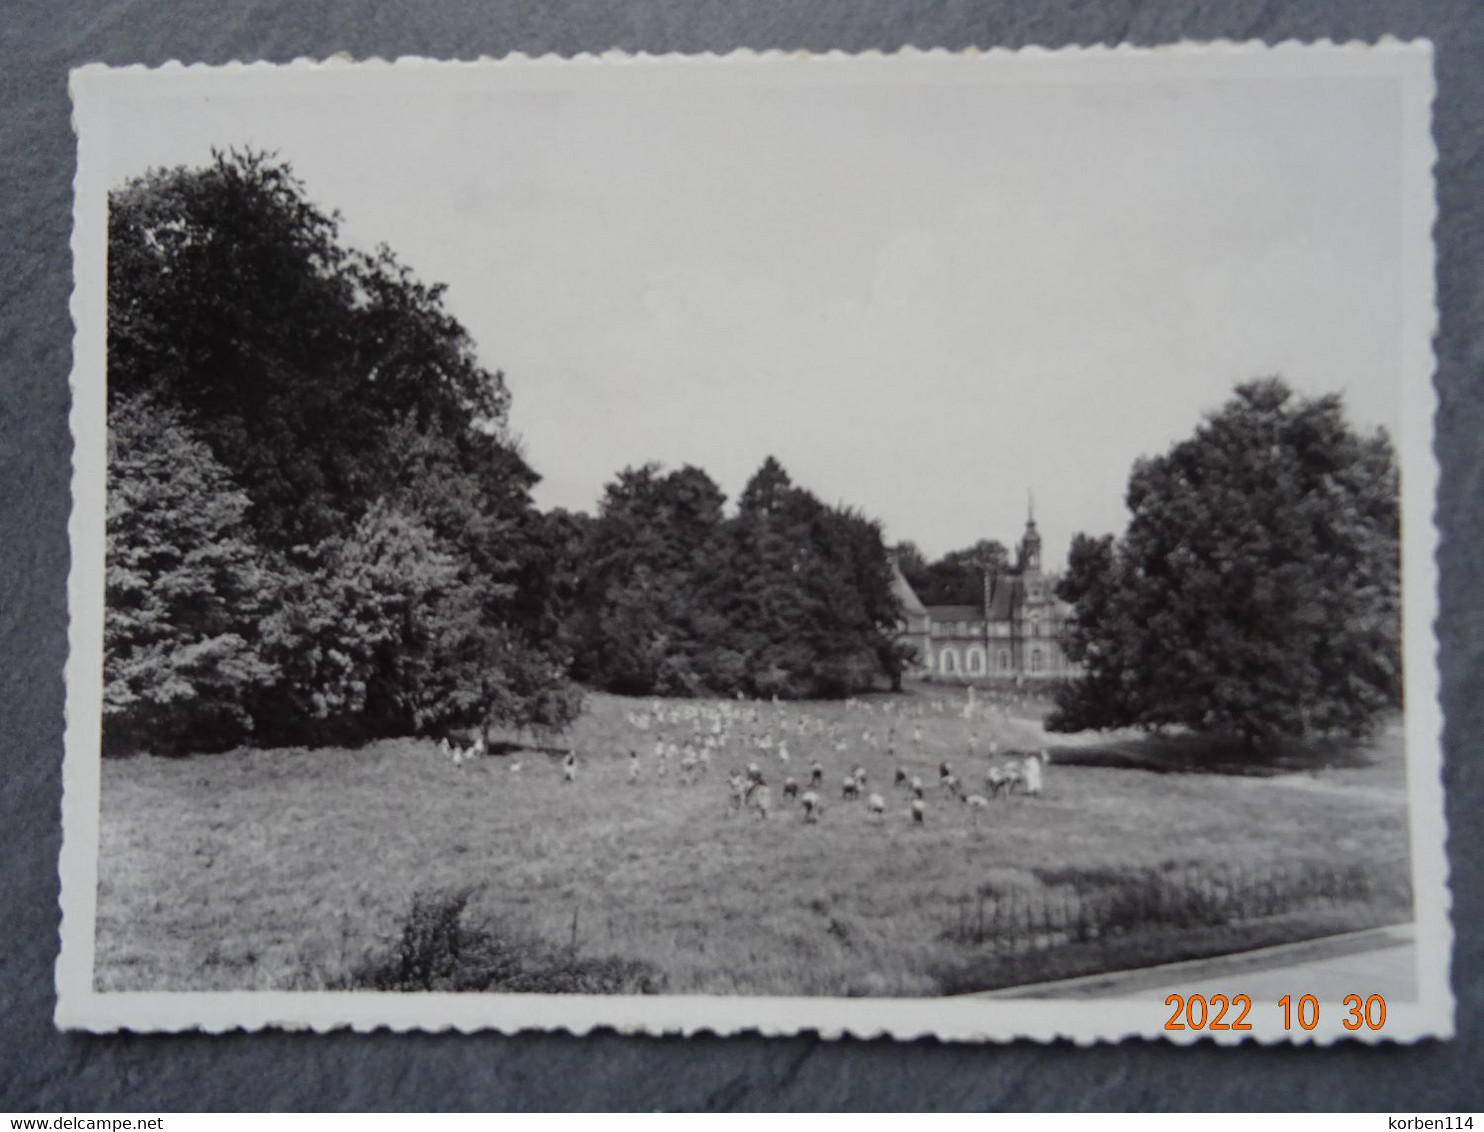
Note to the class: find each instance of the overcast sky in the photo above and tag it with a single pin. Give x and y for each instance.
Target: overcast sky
(927, 290)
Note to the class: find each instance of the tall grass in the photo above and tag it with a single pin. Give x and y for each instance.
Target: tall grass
(1065, 922)
(1074, 905)
(298, 869)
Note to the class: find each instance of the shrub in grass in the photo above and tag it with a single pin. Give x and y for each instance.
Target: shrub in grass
(440, 946)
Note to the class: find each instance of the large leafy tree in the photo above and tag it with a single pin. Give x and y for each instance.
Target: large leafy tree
(807, 593)
(761, 587)
(184, 590)
(368, 633)
(855, 611)
(653, 537)
(515, 577)
(912, 563)
(368, 446)
(1256, 592)
(555, 568)
(293, 357)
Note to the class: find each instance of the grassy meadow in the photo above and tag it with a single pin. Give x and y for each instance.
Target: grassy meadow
(291, 868)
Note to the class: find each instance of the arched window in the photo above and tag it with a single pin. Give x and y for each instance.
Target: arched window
(1035, 660)
(1004, 660)
(948, 662)
(974, 661)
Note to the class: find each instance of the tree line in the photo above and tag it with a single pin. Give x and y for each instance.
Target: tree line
(320, 529)
(788, 597)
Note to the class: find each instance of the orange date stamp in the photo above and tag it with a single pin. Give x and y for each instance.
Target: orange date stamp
(1221, 1012)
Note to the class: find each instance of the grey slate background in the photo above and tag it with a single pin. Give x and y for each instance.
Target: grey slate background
(42, 1070)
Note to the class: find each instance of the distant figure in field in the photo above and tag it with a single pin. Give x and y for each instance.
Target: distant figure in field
(995, 779)
(633, 767)
(569, 767)
(762, 800)
(1014, 775)
(690, 766)
(810, 803)
(737, 788)
(977, 804)
(1031, 771)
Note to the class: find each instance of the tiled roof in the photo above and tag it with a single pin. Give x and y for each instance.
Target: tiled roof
(1006, 596)
(911, 604)
(1009, 596)
(955, 613)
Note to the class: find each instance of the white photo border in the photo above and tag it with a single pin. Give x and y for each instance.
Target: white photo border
(81, 1007)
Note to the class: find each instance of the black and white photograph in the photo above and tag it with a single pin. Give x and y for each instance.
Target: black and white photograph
(919, 544)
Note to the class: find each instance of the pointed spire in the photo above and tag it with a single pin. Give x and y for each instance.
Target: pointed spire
(1030, 543)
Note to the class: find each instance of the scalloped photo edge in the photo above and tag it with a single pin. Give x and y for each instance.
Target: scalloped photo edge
(103, 96)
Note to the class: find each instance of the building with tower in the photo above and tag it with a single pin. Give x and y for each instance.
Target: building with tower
(1015, 633)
